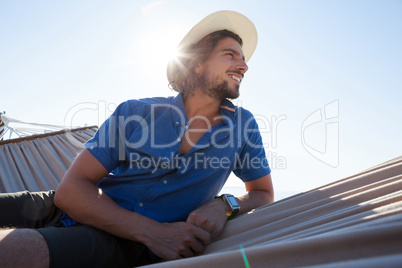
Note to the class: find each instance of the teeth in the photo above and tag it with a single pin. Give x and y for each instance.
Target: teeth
(235, 78)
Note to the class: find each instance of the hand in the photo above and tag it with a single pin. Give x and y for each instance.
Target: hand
(177, 240)
(211, 217)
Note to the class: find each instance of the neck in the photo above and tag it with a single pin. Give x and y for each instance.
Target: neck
(198, 104)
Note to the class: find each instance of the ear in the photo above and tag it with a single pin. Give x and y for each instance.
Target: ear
(198, 68)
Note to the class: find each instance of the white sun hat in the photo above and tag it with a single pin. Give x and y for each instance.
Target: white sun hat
(221, 20)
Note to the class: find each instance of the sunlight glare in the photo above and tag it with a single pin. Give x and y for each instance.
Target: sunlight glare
(157, 49)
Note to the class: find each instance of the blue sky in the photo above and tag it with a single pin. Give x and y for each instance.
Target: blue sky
(324, 83)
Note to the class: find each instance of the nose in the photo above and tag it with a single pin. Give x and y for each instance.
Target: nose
(242, 66)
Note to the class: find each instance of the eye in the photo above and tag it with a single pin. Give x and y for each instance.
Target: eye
(230, 54)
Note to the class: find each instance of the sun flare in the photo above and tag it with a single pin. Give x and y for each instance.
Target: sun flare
(158, 48)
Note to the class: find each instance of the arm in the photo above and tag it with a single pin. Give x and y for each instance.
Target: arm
(79, 197)
(259, 192)
(212, 216)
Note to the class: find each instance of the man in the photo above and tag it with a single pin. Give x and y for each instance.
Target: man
(144, 187)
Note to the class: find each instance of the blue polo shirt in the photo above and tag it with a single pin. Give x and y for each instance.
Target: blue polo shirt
(138, 145)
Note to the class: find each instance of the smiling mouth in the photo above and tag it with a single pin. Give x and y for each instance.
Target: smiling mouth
(236, 78)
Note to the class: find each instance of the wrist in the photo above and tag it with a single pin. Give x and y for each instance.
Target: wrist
(145, 230)
(223, 206)
(231, 204)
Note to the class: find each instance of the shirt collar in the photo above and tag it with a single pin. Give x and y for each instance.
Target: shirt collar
(228, 111)
(178, 112)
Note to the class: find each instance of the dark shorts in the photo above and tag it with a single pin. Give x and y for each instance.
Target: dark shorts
(75, 246)
(84, 246)
(29, 210)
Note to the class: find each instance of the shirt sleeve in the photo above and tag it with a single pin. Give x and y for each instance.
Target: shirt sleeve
(252, 163)
(108, 143)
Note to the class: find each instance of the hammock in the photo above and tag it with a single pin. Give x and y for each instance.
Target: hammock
(38, 162)
(353, 222)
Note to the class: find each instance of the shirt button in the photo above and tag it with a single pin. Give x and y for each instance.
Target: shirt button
(178, 139)
(141, 205)
(177, 122)
(164, 181)
(92, 147)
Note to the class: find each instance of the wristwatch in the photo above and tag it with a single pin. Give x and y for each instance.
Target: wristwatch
(231, 201)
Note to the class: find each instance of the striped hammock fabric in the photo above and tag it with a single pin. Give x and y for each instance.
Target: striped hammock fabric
(354, 222)
(38, 163)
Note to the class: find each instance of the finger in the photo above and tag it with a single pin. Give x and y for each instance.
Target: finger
(192, 218)
(216, 233)
(186, 253)
(190, 247)
(197, 246)
(203, 236)
(200, 221)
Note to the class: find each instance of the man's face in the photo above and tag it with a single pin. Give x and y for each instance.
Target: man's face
(220, 76)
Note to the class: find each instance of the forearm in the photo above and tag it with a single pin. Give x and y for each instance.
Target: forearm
(212, 216)
(259, 192)
(81, 199)
(253, 199)
(85, 203)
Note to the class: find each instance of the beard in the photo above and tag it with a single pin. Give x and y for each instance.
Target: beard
(216, 90)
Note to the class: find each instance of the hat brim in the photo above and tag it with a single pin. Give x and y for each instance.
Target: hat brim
(221, 20)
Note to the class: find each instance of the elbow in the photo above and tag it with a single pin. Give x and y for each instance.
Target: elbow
(61, 198)
(65, 200)
(261, 197)
(58, 200)
(268, 197)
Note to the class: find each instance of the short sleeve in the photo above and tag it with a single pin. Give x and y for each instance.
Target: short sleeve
(252, 163)
(108, 143)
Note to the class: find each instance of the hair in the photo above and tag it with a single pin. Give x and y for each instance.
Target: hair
(183, 67)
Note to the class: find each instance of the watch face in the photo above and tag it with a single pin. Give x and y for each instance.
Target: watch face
(232, 201)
